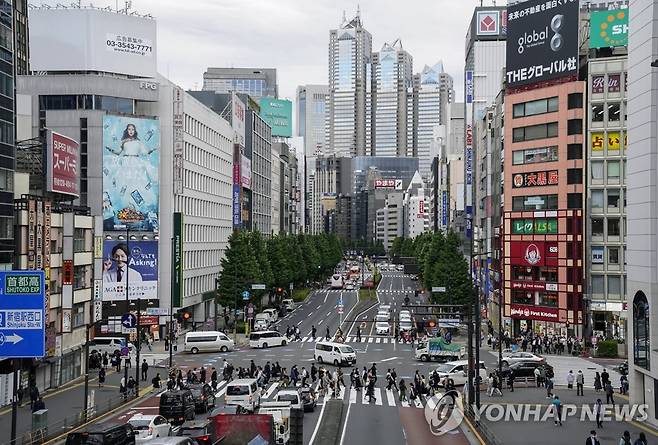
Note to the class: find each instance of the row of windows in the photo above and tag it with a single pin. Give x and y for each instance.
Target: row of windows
(610, 255)
(544, 131)
(200, 233)
(204, 208)
(206, 184)
(614, 285)
(196, 259)
(199, 285)
(86, 102)
(609, 200)
(547, 202)
(204, 133)
(610, 172)
(207, 159)
(546, 105)
(611, 227)
(609, 111)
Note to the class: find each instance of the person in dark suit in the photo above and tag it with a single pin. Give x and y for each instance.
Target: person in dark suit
(592, 440)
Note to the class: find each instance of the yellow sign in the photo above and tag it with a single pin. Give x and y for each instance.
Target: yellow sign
(597, 141)
(614, 140)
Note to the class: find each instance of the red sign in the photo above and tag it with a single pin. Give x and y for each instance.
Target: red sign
(67, 272)
(535, 179)
(534, 253)
(236, 172)
(598, 83)
(528, 285)
(533, 312)
(146, 320)
(63, 154)
(614, 83)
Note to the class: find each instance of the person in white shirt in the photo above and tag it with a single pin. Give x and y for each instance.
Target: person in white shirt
(570, 379)
(115, 268)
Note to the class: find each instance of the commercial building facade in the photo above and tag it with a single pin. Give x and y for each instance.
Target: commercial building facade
(255, 82)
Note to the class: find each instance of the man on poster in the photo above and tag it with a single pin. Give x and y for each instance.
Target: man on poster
(115, 268)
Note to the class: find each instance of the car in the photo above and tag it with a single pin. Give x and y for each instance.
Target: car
(204, 397)
(337, 353)
(414, 278)
(261, 325)
(111, 345)
(149, 426)
(405, 325)
(526, 369)
(385, 307)
(382, 328)
(202, 431)
(405, 313)
(290, 395)
(103, 434)
(519, 356)
(274, 314)
(177, 406)
(244, 393)
(383, 315)
(288, 304)
(349, 287)
(456, 371)
(309, 399)
(400, 267)
(208, 341)
(265, 339)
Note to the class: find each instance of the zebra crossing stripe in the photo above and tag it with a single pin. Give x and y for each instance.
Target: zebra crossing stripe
(405, 403)
(370, 340)
(304, 339)
(378, 396)
(377, 340)
(390, 397)
(352, 395)
(219, 386)
(349, 339)
(270, 391)
(418, 403)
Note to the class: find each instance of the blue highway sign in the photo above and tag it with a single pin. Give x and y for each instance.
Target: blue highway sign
(22, 323)
(245, 295)
(129, 321)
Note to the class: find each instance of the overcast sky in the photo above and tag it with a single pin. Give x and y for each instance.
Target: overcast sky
(292, 35)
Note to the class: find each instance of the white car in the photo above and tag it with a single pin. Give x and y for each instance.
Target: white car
(384, 307)
(521, 356)
(405, 314)
(149, 426)
(381, 313)
(382, 328)
(457, 371)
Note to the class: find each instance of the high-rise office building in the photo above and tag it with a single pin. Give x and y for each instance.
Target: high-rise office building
(350, 53)
(256, 82)
(387, 110)
(311, 115)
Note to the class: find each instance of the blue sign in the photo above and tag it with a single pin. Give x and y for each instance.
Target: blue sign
(340, 301)
(22, 317)
(245, 295)
(129, 321)
(444, 209)
(237, 215)
(469, 87)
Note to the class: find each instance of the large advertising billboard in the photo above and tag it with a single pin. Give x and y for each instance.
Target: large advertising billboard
(542, 41)
(63, 154)
(133, 264)
(92, 40)
(278, 115)
(131, 180)
(608, 28)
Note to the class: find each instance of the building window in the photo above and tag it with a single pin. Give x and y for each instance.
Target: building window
(575, 200)
(613, 172)
(575, 100)
(78, 315)
(597, 113)
(613, 227)
(548, 299)
(81, 277)
(598, 285)
(614, 285)
(613, 199)
(641, 331)
(613, 255)
(613, 112)
(575, 176)
(532, 108)
(597, 171)
(597, 199)
(574, 126)
(536, 202)
(597, 226)
(535, 155)
(79, 240)
(574, 151)
(534, 132)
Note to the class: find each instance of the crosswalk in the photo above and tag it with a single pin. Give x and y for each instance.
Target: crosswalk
(352, 339)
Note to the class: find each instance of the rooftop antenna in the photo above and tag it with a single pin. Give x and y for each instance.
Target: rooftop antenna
(358, 10)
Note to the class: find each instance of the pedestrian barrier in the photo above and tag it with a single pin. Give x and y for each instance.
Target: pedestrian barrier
(482, 429)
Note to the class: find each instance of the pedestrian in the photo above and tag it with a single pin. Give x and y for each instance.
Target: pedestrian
(327, 336)
(213, 376)
(623, 385)
(105, 359)
(122, 386)
(580, 383)
(592, 440)
(132, 385)
(557, 410)
(542, 376)
(641, 440)
(304, 376)
(39, 405)
(403, 391)
(313, 332)
(314, 372)
(625, 438)
(597, 382)
(370, 392)
(358, 334)
(166, 343)
(294, 375)
(156, 381)
(34, 394)
(570, 379)
(609, 393)
(549, 388)
(598, 410)
(203, 374)
(297, 334)
(510, 380)
(537, 374)
(605, 377)
(145, 370)
(101, 377)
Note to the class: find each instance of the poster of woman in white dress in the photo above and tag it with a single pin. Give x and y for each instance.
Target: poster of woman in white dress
(131, 180)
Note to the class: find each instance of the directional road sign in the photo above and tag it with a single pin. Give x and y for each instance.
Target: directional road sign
(245, 295)
(22, 324)
(257, 287)
(439, 289)
(162, 311)
(128, 321)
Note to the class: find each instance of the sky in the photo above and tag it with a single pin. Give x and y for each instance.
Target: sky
(292, 35)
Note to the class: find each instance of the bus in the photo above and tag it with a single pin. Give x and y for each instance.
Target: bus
(337, 281)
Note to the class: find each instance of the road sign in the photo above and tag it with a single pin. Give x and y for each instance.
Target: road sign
(22, 327)
(250, 312)
(439, 289)
(340, 301)
(340, 308)
(291, 286)
(161, 311)
(125, 351)
(128, 321)
(245, 295)
(257, 287)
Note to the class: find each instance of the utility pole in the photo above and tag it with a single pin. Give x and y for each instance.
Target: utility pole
(139, 346)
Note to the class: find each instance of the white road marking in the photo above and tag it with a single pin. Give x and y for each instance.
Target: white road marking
(270, 391)
(378, 396)
(300, 322)
(325, 296)
(405, 403)
(328, 313)
(342, 436)
(390, 397)
(319, 306)
(320, 322)
(370, 340)
(304, 339)
(352, 395)
(388, 359)
(317, 425)
(377, 340)
(418, 403)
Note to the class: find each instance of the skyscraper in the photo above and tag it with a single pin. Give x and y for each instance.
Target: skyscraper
(311, 117)
(392, 79)
(350, 53)
(256, 82)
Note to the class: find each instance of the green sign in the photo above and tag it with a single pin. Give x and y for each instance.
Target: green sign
(608, 28)
(278, 115)
(16, 284)
(177, 263)
(534, 226)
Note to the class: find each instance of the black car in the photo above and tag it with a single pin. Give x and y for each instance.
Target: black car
(309, 399)
(202, 431)
(623, 368)
(527, 369)
(177, 406)
(103, 434)
(204, 397)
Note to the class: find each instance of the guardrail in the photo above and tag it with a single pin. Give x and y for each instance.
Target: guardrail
(482, 429)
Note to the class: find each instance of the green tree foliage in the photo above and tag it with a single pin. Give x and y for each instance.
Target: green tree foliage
(239, 270)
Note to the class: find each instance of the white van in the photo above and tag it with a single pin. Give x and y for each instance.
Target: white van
(207, 341)
(109, 345)
(244, 393)
(261, 325)
(273, 313)
(265, 339)
(288, 304)
(337, 353)
(262, 316)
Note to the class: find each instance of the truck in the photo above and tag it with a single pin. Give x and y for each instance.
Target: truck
(437, 348)
(280, 412)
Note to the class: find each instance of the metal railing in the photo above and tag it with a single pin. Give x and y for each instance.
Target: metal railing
(481, 428)
(55, 429)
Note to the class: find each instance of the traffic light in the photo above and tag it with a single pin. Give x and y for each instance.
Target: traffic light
(406, 301)
(279, 290)
(186, 315)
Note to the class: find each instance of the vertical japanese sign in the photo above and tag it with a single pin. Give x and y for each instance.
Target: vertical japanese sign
(62, 169)
(468, 164)
(237, 187)
(444, 209)
(238, 114)
(177, 264)
(178, 126)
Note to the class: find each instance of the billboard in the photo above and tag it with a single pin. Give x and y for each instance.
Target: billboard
(177, 263)
(92, 40)
(278, 115)
(245, 172)
(534, 253)
(131, 180)
(535, 179)
(63, 154)
(608, 28)
(542, 41)
(395, 184)
(526, 312)
(238, 116)
(536, 226)
(133, 264)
